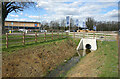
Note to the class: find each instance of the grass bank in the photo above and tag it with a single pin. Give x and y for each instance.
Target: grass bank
(100, 63)
(37, 59)
(16, 48)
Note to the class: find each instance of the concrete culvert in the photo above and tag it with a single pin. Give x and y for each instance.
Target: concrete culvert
(86, 43)
(88, 46)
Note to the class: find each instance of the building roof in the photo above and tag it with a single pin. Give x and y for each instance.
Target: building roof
(23, 21)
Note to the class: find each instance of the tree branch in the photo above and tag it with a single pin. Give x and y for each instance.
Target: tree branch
(9, 4)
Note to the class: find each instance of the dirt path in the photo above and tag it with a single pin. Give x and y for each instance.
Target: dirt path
(37, 61)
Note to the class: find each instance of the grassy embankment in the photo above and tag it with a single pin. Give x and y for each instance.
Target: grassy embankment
(36, 60)
(101, 63)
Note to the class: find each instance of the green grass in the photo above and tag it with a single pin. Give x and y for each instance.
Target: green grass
(109, 50)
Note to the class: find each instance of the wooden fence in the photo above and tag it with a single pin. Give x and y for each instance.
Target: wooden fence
(98, 36)
(17, 39)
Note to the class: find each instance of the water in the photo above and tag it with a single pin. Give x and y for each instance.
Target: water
(61, 70)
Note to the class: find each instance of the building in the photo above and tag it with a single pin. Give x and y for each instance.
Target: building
(15, 25)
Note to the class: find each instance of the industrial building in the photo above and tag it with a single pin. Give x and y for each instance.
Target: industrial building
(15, 25)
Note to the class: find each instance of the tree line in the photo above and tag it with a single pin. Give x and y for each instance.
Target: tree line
(8, 7)
(90, 22)
(101, 25)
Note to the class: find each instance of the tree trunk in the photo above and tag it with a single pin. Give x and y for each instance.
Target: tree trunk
(4, 15)
(1, 18)
(3, 28)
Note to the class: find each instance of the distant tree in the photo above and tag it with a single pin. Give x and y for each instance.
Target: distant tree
(8, 7)
(63, 23)
(71, 22)
(45, 26)
(90, 23)
(107, 26)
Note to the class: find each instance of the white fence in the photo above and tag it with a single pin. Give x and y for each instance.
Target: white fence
(98, 36)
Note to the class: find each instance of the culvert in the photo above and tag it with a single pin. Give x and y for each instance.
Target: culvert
(88, 46)
(86, 43)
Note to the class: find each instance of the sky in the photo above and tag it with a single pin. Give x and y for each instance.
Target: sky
(52, 10)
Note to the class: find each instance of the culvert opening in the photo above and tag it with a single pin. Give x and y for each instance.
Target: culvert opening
(88, 46)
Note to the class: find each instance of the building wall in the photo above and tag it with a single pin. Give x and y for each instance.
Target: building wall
(21, 24)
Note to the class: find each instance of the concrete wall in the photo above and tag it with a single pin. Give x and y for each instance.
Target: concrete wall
(85, 41)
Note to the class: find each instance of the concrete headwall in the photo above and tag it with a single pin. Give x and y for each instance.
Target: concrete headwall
(85, 41)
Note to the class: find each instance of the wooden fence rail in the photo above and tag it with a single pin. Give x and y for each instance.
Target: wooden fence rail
(93, 35)
(26, 38)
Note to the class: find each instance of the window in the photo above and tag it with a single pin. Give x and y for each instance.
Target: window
(35, 25)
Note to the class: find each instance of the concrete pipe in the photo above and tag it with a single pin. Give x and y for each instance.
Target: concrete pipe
(88, 46)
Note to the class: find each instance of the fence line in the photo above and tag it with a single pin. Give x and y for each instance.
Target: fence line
(93, 35)
(26, 38)
(10, 39)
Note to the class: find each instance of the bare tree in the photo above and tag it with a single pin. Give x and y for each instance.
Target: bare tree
(8, 7)
(90, 23)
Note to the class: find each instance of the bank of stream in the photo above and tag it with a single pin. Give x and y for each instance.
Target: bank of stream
(62, 69)
(37, 60)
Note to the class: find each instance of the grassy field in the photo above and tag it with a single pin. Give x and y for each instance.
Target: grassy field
(101, 63)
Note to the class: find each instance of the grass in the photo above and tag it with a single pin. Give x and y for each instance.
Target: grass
(104, 61)
(109, 50)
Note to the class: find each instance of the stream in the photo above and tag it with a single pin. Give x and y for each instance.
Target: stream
(62, 69)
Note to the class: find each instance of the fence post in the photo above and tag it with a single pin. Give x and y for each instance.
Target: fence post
(93, 35)
(74, 35)
(24, 38)
(66, 34)
(45, 36)
(35, 36)
(105, 36)
(96, 35)
(58, 34)
(52, 35)
(117, 38)
(6, 40)
(83, 35)
(62, 34)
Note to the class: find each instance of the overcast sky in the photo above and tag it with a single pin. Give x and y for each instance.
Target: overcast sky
(47, 10)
